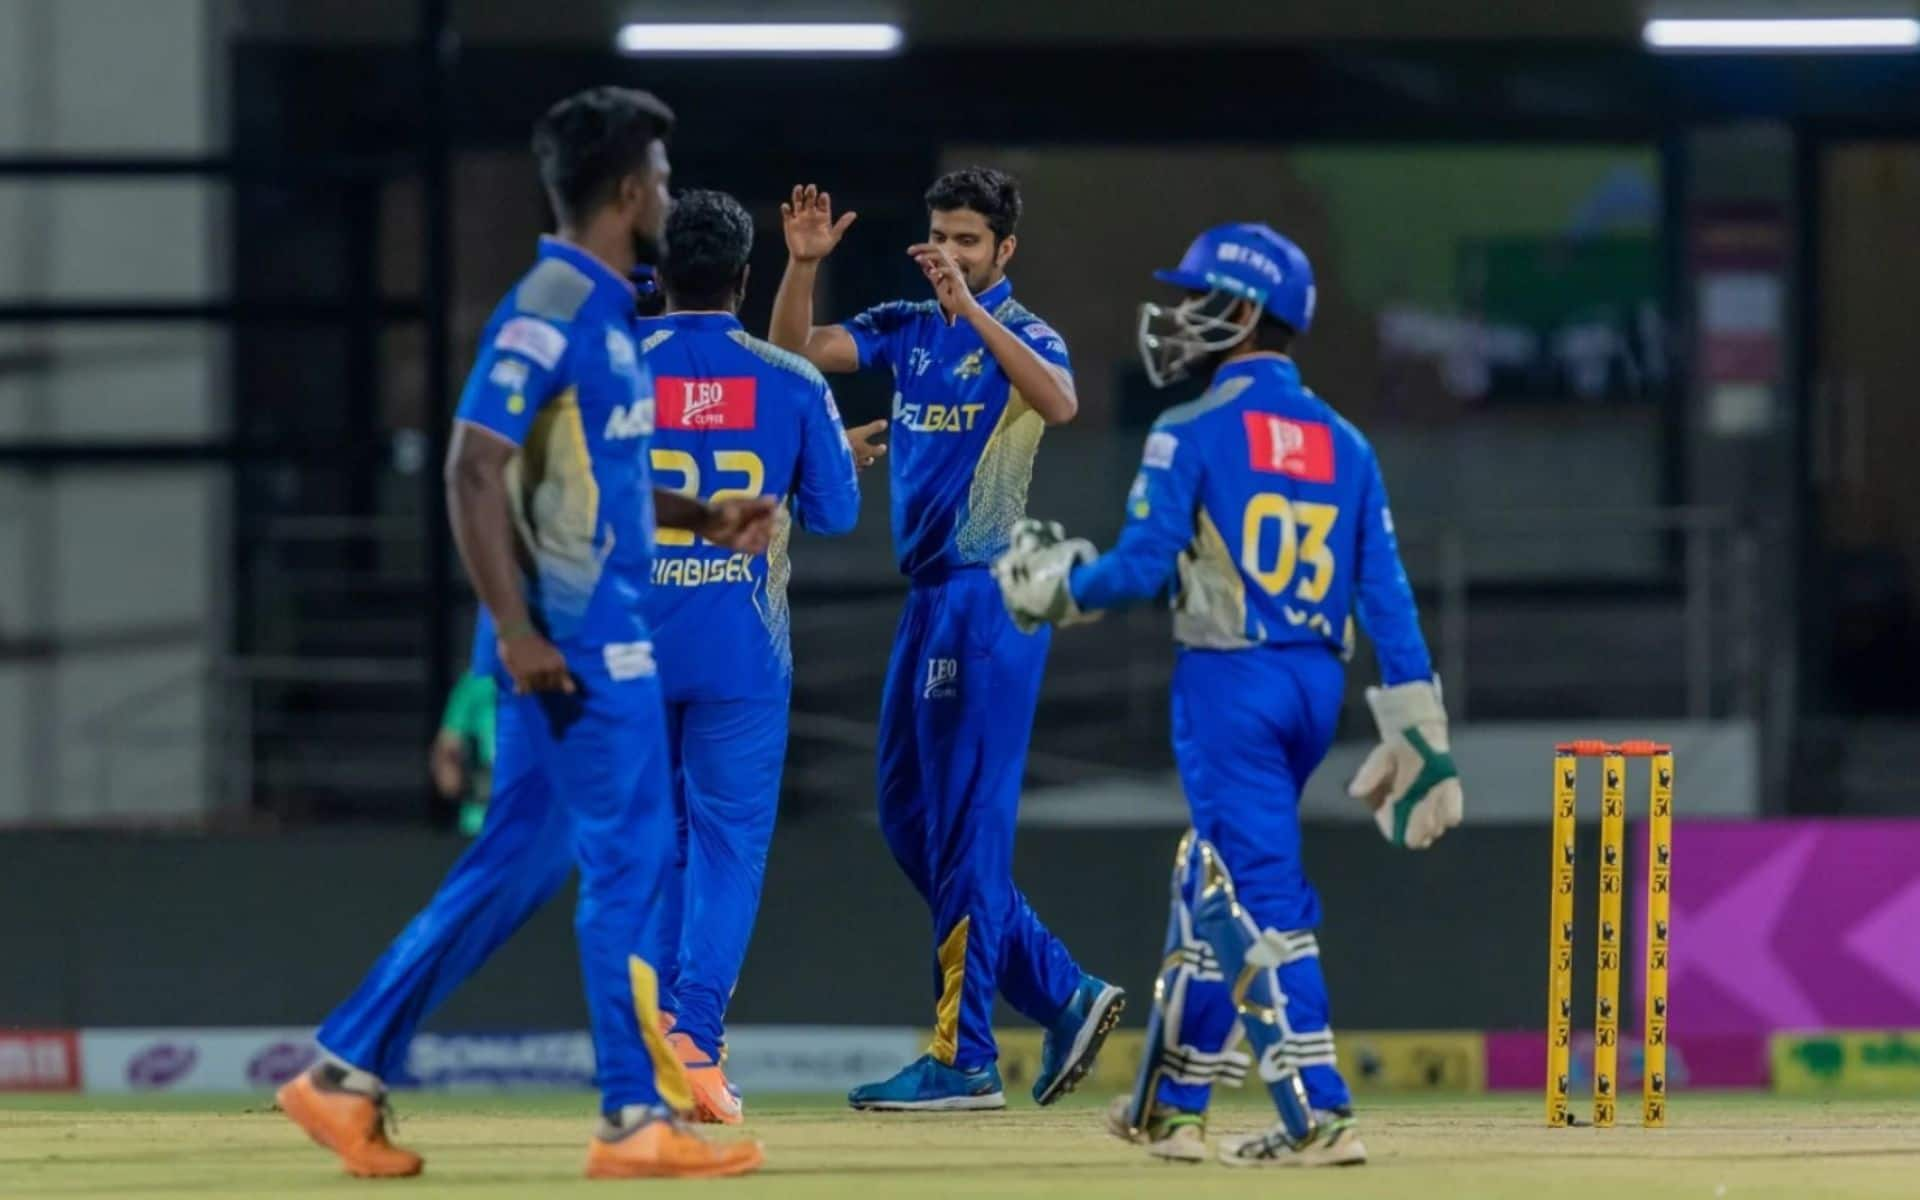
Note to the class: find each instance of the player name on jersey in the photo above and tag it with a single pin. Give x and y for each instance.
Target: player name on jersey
(697, 572)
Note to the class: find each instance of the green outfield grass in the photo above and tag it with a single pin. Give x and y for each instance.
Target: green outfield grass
(1484, 1148)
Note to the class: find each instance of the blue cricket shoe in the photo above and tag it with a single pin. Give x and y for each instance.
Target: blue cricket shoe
(1076, 1037)
(928, 1085)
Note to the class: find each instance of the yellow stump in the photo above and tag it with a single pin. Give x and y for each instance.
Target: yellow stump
(1653, 1088)
(1560, 941)
(1606, 1001)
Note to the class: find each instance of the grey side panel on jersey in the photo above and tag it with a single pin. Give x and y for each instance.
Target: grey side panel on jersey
(1192, 410)
(1012, 312)
(1210, 605)
(554, 289)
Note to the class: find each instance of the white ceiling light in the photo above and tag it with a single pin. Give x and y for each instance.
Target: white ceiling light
(801, 39)
(1850, 33)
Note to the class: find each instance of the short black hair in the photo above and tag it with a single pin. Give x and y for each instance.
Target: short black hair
(993, 194)
(592, 140)
(709, 237)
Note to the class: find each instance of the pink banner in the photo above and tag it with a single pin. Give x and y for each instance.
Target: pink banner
(1729, 1060)
(1782, 925)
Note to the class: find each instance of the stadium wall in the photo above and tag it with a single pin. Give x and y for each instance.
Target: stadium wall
(113, 579)
(1436, 960)
(105, 930)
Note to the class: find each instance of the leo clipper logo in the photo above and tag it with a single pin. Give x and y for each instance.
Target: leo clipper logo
(702, 404)
(943, 679)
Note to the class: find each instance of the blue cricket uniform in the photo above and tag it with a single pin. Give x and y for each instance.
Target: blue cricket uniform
(737, 417)
(1271, 509)
(578, 779)
(962, 683)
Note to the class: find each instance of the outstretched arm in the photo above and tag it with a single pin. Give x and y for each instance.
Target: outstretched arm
(1159, 526)
(812, 233)
(1047, 578)
(743, 525)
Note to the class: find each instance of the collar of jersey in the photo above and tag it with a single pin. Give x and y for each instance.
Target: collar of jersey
(706, 321)
(996, 295)
(601, 274)
(1264, 361)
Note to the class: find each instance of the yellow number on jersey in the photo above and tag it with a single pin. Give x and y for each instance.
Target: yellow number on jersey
(743, 462)
(1295, 549)
(677, 462)
(687, 468)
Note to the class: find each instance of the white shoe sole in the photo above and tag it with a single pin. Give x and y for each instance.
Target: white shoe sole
(1100, 1021)
(1350, 1153)
(983, 1103)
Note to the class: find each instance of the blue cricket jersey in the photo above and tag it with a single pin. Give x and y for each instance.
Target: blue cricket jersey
(559, 376)
(738, 417)
(1273, 508)
(962, 439)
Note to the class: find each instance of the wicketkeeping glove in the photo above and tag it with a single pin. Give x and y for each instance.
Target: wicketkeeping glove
(1033, 573)
(1409, 779)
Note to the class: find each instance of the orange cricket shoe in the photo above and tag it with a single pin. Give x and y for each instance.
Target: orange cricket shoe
(715, 1102)
(661, 1148)
(351, 1124)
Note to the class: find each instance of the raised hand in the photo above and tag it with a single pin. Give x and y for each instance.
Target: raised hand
(808, 222)
(949, 282)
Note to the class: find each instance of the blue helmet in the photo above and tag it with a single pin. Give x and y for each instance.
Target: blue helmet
(1253, 262)
(1225, 265)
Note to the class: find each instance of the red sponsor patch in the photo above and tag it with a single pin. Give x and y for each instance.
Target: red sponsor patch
(39, 1061)
(700, 404)
(1282, 446)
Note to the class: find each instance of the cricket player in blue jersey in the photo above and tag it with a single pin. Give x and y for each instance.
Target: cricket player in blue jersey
(737, 416)
(977, 379)
(552, 503)
(1267, 512)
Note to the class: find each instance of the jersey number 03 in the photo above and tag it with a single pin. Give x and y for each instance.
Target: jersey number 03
(1303, 530)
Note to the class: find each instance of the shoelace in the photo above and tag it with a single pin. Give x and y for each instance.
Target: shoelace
(1277, 1142)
